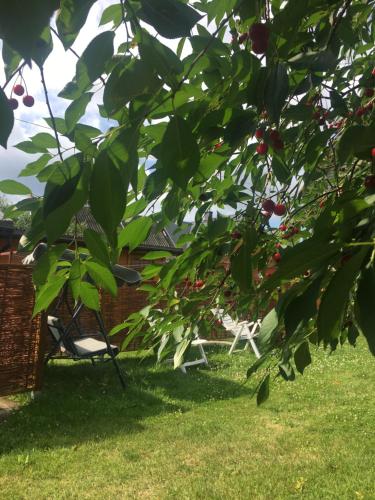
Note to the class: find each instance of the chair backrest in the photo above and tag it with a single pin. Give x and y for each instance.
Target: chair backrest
(57, 330)
(228, 322)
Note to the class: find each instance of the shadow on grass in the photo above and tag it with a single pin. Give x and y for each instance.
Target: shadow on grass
(82, 403)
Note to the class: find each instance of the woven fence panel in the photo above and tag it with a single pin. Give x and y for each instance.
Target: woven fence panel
(21, 346)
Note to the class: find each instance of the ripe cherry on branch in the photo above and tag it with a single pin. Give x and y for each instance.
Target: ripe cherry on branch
(236, 235)
(198, 284)
(28, 101)
(277, 257)
(259, 133)
(283, 227)
(268, 206)
(262, 148)
(279, 209)
(18, 89)
(369, 92)
(13, 103)
(258, 31)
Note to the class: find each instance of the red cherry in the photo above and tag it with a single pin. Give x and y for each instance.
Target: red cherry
(218, 145)
(28, 101)
(259, 133)
(262, 148)
(322, 203)
(360, 111)
(279, 209)
(236, 235)
(18, 89)
(242, 38)
(278, 245)
(276, 257)
(198, 284)
(268, 206)
(275, 135)
(373, 72)
(259, 46)
(13, 103)
(316, 115)
(369, 92)
(283, 227)
(373, 152)
(258, 31)
(370, 181)
(295, 230)
(321, 121)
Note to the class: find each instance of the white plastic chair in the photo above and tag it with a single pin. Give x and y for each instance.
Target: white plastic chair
(242, 330)
(198, 343)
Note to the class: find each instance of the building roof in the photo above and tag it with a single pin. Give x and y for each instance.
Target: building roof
(156, 240)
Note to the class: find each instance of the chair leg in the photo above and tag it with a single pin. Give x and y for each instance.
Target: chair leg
(203, 354)
(254, 346)
(236, 338)
(183, 369)
(119, 372)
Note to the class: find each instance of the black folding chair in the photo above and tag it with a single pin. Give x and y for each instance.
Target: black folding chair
(82, 346)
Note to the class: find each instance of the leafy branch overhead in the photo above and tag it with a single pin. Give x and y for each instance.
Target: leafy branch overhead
(253, 119)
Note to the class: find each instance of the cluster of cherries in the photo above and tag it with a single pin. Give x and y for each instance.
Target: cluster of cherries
(273, 136)
(19, 90)
(259, 36)
(269, 207)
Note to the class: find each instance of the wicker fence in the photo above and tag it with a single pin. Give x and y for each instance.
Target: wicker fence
(21, 337)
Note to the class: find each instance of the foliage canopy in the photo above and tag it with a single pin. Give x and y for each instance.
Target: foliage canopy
(233, 103)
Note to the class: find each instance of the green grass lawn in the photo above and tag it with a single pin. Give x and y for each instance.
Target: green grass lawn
(194, 436)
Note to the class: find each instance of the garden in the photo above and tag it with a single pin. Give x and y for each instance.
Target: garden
(199, 435)
(181, 179)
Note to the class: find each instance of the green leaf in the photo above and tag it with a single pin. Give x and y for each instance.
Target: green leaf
(76, 109)
(180, 351)
(264, 390)
(6, 119)
(98, 249)
(90, 296)
(157, 254)
(135, 233)
(280, 169)
(112, 14)
(107, 195)
(315, 146)
(92, 63)
(170, 18)
(44, 141)
(267, 329)
(338, 103)
(302, 357)
(127, 82)
(65, 193)
(336, 296)
(36, 166)
(11, 59)
(356, 140)
(276, 91)
(71, 18)
(365, 310)
(102, 276)
(46, 264)
(47, 293)
(315, 61)
(21, 26)
(296, 260)
(241, 263)
(9, 186)
(161, 58)
(179, 152)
